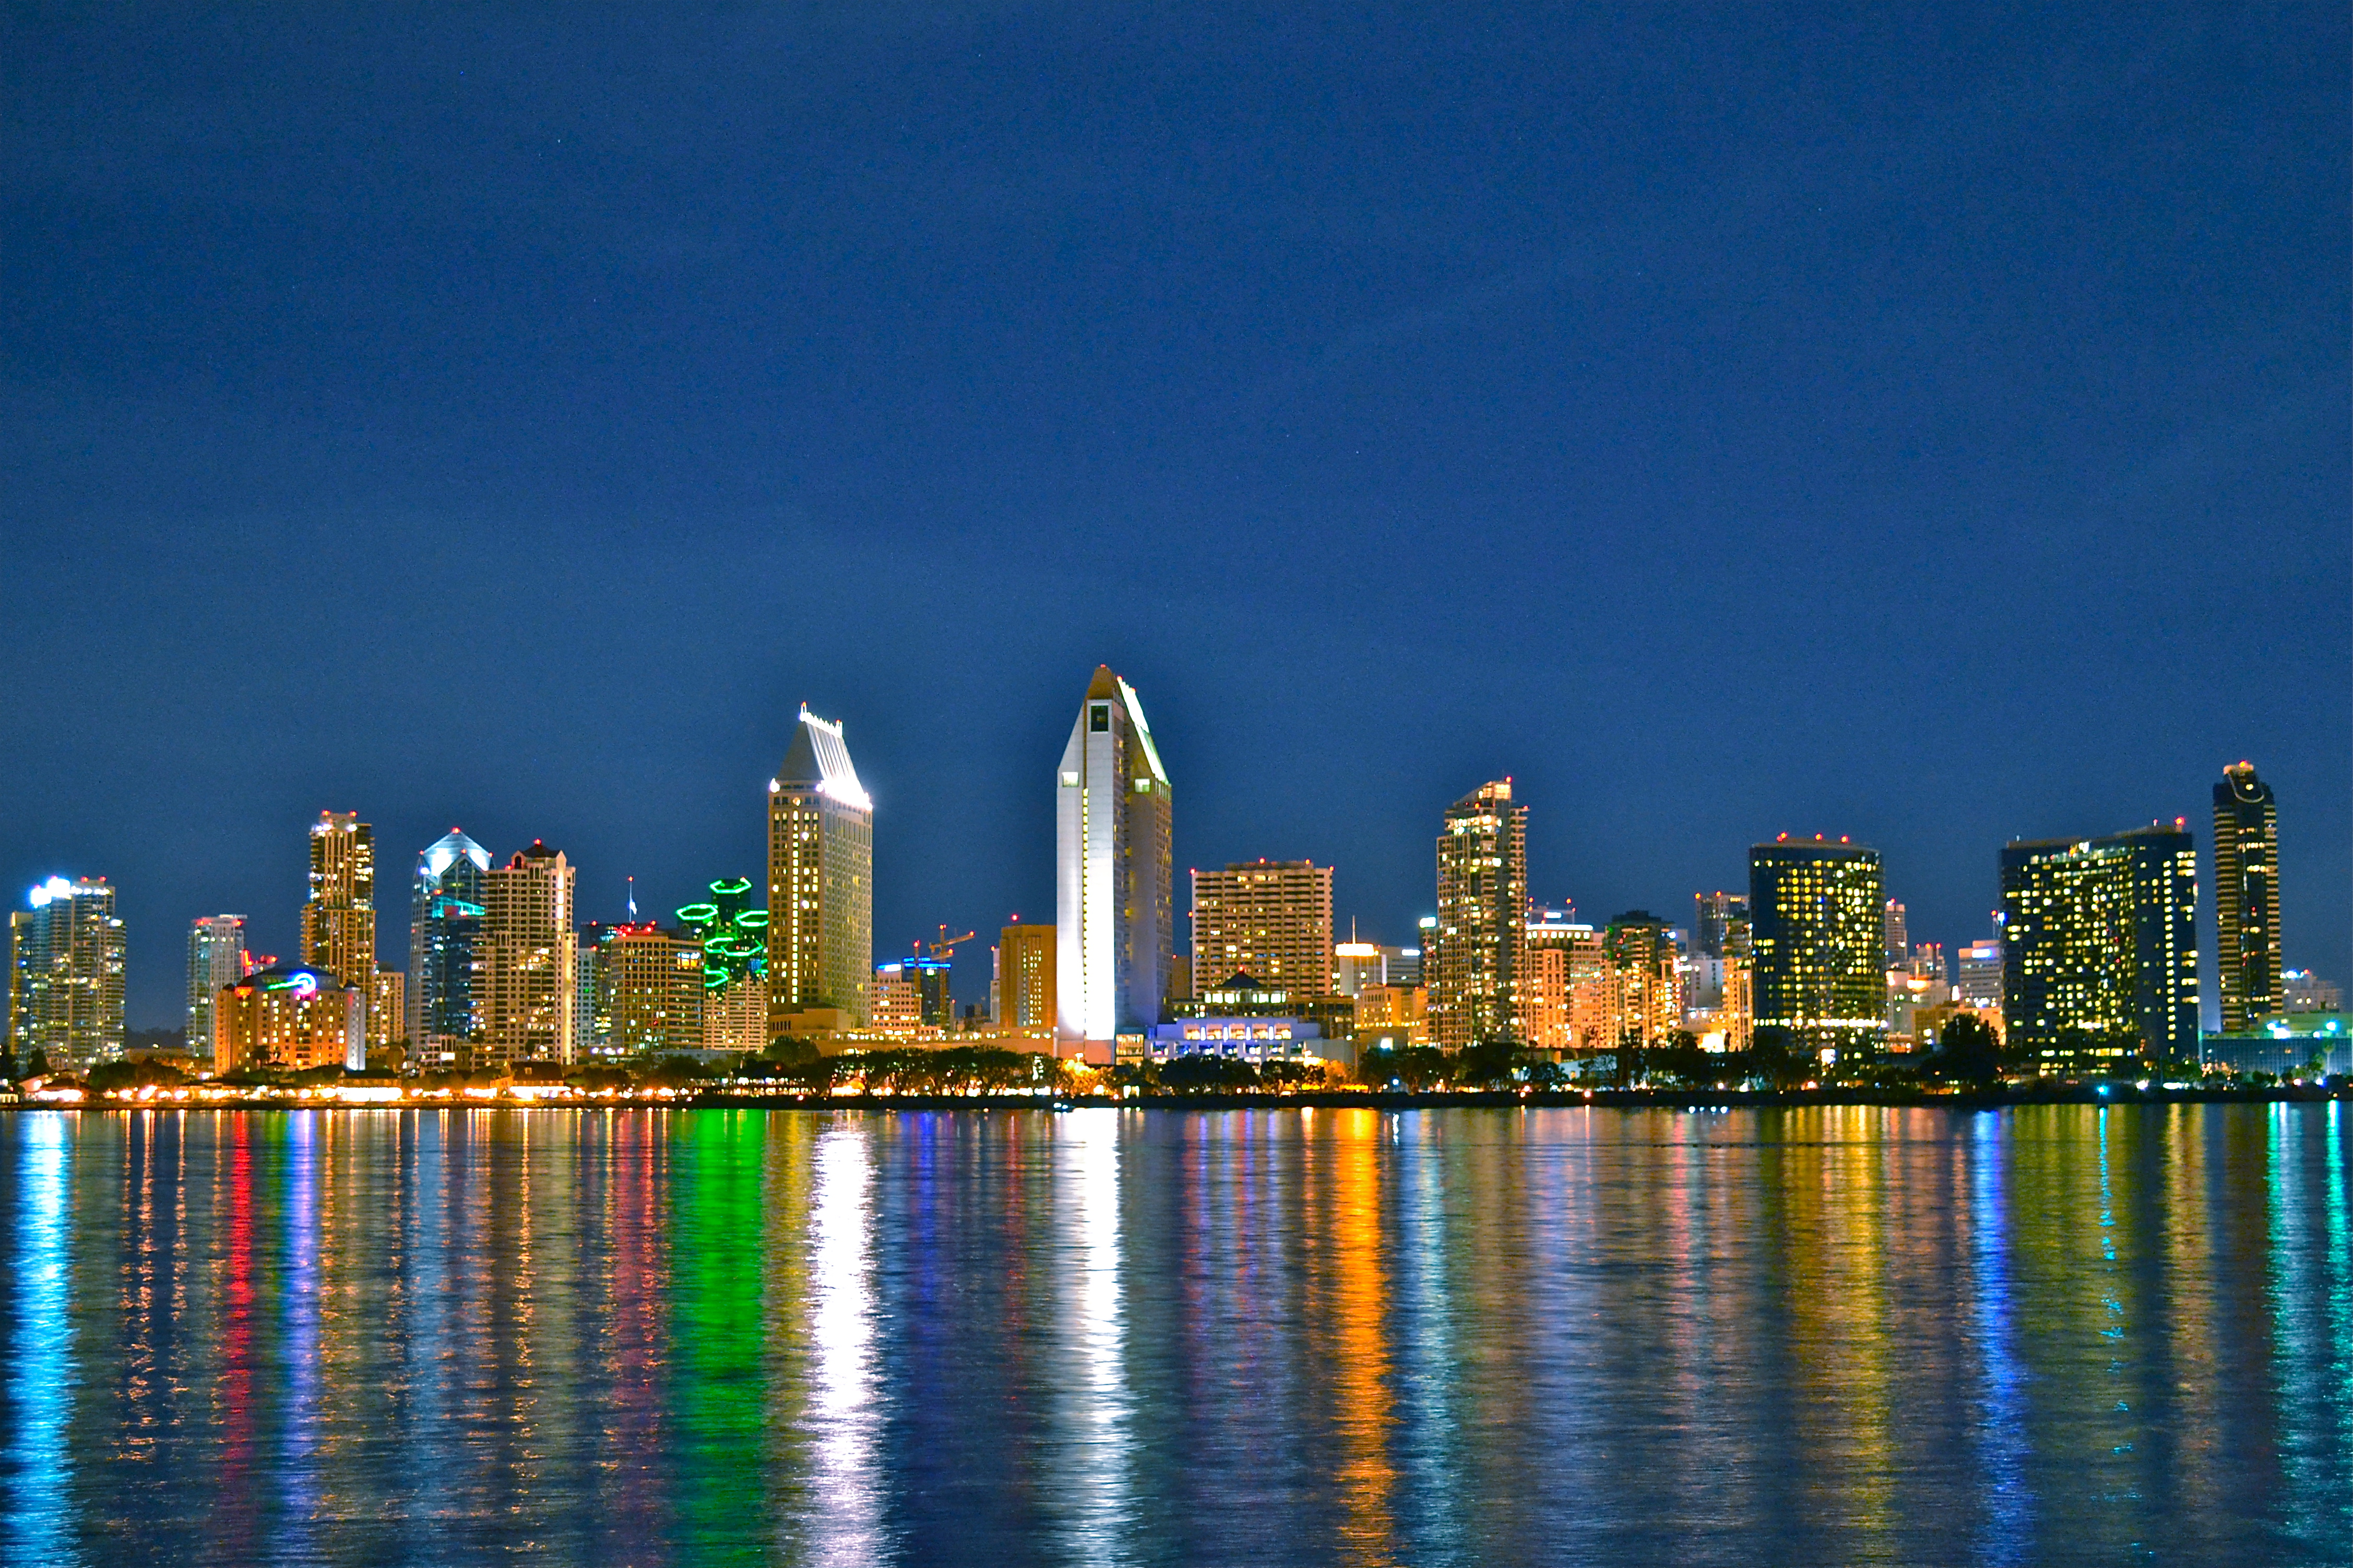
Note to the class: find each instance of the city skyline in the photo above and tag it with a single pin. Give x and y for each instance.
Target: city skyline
(974, 976)
(1827, 464)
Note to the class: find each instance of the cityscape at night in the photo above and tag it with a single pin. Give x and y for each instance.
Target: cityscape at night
(1044, 784)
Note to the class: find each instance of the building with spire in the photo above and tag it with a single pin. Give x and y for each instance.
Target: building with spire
(2246, 899)
(339, 917)
(1114, 913)
(443, 1003)
(820, 932)
(1473, 955)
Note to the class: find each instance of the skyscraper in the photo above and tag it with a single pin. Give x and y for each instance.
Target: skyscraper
(820, 879)
(1712, 917)
(2100, 950)
(1645, 994)
(1114, 912)
(1473, 955)
(65, 973)
(529, 980)
(338, 919)
(1026, 973)
(653, 981)
(1979, 979)
(1899, 940)
(1566, 985)
(2246, 899)
(445, 950)
(1818, 938)
(1269, 919)
(216, 958)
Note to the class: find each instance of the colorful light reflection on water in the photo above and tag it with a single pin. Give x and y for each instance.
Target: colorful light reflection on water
(1118, 1336)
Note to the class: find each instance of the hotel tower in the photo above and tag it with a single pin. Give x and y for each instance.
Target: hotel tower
(821, 881)
(1114, 906)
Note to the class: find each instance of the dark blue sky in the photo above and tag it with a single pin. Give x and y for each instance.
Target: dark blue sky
(1924, 425)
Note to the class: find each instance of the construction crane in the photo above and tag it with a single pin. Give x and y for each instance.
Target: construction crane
(946, 947)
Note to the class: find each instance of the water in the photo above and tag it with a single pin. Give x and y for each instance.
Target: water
(2047, 1335)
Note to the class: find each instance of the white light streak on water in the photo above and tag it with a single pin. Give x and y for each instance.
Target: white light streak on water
(39, 1465)
(1097, 1413)
(843, 1417)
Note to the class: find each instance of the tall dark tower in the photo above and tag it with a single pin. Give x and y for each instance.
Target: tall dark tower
(2246, 898)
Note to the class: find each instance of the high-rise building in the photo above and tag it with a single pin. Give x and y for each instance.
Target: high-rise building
(1565, 986)
(1403, 965)
(652, 980)
(528, 979)
(387, 1011)
(1977, 976)
(444, 1001)
(1024, 978)
(216, 958)
(1928, 962)
(1473, 952)
(2246, 899)
(1268, 919)
(1898, 938)
(1114, 908)
(1713, 916)
(820, 879)
(1357, 964)
(2100, 950)
(65, 973)
(733, 937)
(1736, 1010)
(291, 1017)
(1645, 997)
(1817, 936)
(339, 918)
(897, 1004)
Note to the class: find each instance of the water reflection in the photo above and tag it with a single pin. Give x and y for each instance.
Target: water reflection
(41, 1381)
(844, 1525)
(1090, 1464)
(1355, 1337)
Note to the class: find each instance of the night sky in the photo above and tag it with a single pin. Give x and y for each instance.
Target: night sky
(1927, 426)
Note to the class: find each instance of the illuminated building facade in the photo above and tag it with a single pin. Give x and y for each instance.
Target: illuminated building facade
(2100, 951)
(1565, 986)
(2246, 899)
(732, 938)
(1270, 918)
(1025, 975)
(1977, 975)
(651, 982)
(1115, 909)
(1473, 952)
(388, 1007)
(897, 1008)
(1897, 935)
(820, 879)
(529, 953)
(339, 917)
(216, 957)
(1357, 964)
(445, 950)
(65, 973)
(288, 1018)
(1391, 1016)
(1646, 1003)
(1817, 939)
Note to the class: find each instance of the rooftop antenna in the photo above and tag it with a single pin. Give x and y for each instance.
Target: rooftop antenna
(633, 901)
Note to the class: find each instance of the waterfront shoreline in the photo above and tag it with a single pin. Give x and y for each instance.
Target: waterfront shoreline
(1314, 1100)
